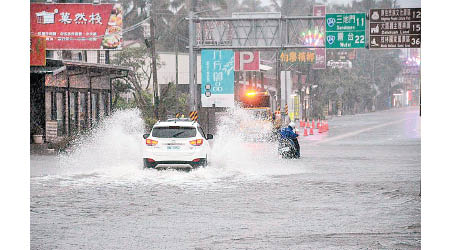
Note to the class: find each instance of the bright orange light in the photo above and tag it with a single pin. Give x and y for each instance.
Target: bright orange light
(151, 142)
(197, 142)
(250, 94)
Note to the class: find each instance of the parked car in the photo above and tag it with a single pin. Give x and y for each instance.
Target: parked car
(176, 143)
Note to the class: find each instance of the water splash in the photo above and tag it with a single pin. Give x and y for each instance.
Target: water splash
(113, 146)
(233, 152)
(112, 152)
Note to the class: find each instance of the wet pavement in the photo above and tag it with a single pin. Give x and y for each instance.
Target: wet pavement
(356, 187)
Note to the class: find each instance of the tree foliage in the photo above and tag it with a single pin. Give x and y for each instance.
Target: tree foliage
(139, 78)
(139, 83)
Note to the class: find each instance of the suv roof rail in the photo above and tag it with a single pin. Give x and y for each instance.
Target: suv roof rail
(178, 119)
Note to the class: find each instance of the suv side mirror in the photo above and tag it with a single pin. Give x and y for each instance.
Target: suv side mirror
(209, 136)
(146, 136)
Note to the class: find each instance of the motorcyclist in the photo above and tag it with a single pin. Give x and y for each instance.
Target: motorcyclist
(288, 133)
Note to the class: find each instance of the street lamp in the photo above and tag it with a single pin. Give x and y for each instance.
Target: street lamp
(147, 33)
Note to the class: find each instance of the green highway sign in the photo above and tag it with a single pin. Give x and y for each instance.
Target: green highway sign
(345, 31)
(346, 40)
(345, 22)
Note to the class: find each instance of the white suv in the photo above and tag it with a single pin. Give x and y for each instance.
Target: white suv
(176, 143)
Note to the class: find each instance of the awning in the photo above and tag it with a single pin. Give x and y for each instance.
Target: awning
(56, 66)
(42, 69)
(94, 65)
(263, 67)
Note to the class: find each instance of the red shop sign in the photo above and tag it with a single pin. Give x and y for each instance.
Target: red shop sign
(37, 51)
(78, 26)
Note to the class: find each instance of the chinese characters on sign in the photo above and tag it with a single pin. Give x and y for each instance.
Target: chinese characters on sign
(341, 55)
(78, 26)
(79, 18)
(345, 30)
(217, 78)
(341, 59)
(320, 10)
(395, 28)
(298, 56)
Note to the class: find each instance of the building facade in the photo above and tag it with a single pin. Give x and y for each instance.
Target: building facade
(70, 96)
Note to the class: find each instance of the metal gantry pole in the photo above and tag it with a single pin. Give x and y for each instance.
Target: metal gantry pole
(278, 80)
(284, 101)
(192, 105)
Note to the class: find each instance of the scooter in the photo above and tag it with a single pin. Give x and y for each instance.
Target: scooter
(287, 150)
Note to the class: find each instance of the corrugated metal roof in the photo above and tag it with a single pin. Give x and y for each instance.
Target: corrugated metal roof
(53, 65)
(94, 65)
(42, 69)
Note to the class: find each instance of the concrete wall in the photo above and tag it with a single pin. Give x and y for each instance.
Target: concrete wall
(167, 72)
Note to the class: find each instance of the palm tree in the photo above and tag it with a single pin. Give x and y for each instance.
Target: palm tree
(253, 6)
(292, 7)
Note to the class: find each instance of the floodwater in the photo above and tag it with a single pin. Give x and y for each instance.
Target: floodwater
(356, 187)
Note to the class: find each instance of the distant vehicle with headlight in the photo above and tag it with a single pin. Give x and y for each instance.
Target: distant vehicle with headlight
(258, 125)
(176, 143)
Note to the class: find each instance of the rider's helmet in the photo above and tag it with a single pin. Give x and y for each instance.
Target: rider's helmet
(292, 125)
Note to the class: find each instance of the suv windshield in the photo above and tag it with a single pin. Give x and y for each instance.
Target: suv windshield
(173, 132)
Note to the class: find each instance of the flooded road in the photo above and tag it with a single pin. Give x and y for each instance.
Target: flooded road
(356, 187)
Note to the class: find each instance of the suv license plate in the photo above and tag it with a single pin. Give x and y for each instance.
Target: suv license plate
(173, 147)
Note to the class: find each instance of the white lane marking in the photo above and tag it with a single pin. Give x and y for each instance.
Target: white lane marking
(360, 131)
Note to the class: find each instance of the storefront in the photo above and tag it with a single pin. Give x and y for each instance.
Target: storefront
(70, 96)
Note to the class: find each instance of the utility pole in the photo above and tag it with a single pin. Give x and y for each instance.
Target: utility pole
(374, 86)
(308, 93)
(176, 72)
(308, 76)
(192, 66)
(176, 62)
(154, 71)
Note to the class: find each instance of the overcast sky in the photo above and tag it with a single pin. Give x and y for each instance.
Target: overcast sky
(402, 3)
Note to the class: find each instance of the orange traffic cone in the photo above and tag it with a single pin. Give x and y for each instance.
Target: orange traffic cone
(307, 125)
(305, 132)
(312, 125)
(301, 124)
(319, 126)
(311, 131)
(326, 126)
